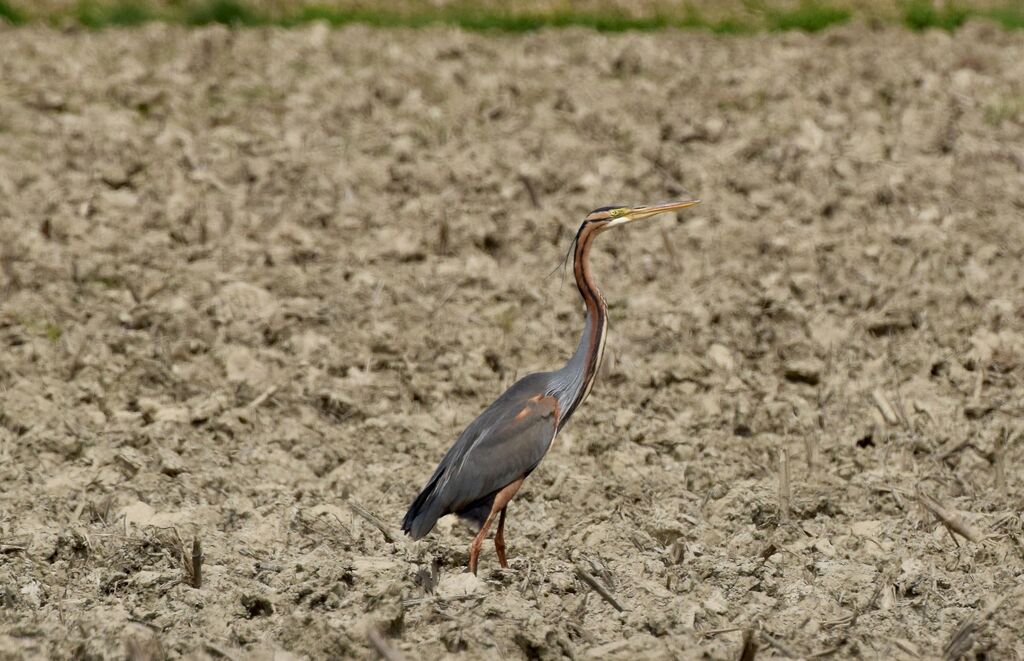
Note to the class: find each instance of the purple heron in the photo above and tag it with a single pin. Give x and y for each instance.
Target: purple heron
(486, 466)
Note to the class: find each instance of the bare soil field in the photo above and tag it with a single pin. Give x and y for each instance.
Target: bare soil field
(253, 281)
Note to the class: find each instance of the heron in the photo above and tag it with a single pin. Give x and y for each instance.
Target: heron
(486, 466)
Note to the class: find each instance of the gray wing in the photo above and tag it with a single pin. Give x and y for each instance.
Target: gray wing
(505, 443)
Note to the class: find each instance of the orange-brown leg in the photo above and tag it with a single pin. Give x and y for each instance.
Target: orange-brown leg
(474, 548)
(499, 539)
(501, 501)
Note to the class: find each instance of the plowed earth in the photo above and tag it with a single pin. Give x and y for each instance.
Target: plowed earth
(252, 278)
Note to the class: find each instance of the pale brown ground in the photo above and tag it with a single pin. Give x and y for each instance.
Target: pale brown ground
(247, 275)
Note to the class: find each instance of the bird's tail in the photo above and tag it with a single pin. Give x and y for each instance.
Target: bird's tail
(424, 511)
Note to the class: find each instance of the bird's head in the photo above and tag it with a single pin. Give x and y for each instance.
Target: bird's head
(604, 218)
(608, 217)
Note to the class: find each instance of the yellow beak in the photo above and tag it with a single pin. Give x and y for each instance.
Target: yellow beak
(637, 213)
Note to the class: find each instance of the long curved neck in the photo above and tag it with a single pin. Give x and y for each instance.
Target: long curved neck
(577, 377)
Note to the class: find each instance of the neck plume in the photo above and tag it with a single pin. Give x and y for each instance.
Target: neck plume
(577, 377)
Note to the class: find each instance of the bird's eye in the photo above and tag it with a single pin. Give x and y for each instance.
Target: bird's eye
(615, 212)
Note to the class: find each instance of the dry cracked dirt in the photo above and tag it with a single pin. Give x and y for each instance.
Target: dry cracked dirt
(255, 280)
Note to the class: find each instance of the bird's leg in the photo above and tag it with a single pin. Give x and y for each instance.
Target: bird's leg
(478, 541)
(499, 539)
(501, 500)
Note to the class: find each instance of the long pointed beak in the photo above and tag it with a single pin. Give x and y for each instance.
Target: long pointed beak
(637, 213)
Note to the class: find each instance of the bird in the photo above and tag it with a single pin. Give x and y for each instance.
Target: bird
(486, 466)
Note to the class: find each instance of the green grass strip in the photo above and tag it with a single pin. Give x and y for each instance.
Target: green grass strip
(808, 16)
(120, 13)
(10, 14)
(227, 12)
(1010, 17)
(921, 15)
(492, 21)
(478, 20)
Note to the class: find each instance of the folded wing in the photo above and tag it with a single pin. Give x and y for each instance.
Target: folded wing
(505, 443)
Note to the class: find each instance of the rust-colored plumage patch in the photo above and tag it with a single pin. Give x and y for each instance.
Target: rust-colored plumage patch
(543, 406)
